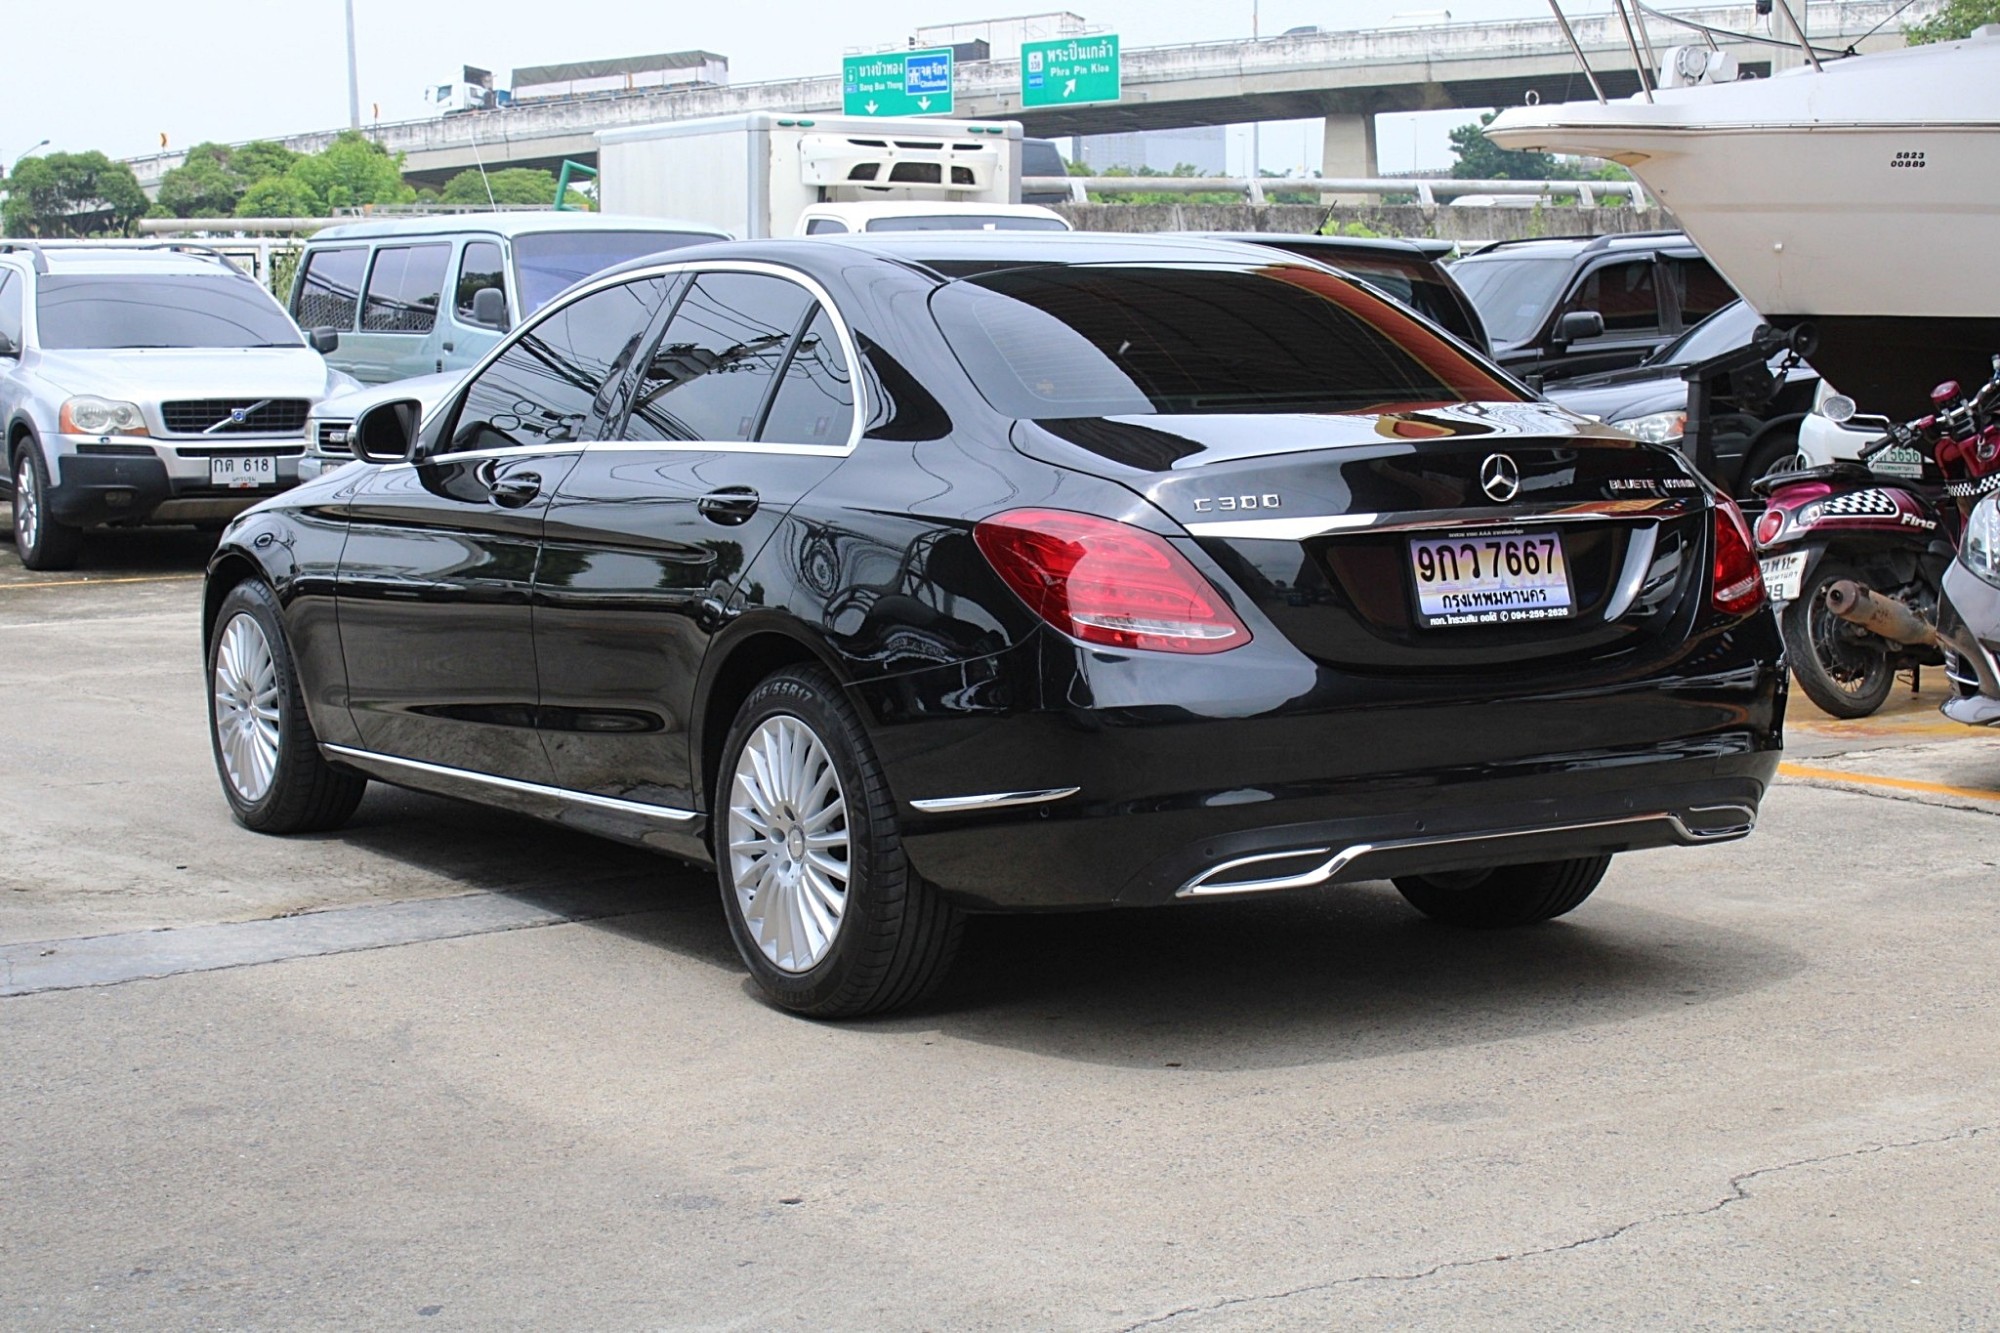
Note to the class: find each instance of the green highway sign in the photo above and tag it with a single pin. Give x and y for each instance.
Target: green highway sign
(900, 83)
(1076, 69)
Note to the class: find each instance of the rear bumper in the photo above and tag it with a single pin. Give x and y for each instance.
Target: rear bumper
(1328, 783)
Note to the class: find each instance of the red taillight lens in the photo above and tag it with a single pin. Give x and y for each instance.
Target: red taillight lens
(1769, 525)
(1108, 583)
(1739, 583)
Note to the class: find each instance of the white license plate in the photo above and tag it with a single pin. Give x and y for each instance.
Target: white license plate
(1781, 575)
(1490, 579)
(1900, 461)
(243, 470)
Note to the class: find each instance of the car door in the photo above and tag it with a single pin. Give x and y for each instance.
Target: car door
(12, 395)
(1626, 292)
(435, 582)
(399, 311)
(744, 404)
(466, 338)
(328, 296)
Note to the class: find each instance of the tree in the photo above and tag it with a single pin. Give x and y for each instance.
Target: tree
(203, 185)
(350, 172)
(259, 160)
(1956, 20)
(515, 185)
(73, 194)
(1480, 159)
(277, 197)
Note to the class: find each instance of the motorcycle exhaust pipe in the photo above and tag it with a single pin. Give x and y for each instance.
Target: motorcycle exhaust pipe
(1886, 616)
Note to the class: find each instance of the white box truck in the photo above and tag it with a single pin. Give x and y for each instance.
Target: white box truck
(754, 175)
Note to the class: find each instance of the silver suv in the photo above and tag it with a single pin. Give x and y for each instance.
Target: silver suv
(144, 386)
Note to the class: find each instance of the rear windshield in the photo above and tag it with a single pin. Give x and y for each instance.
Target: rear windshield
(191, 310)
(546, 262)
(1513, 293)
(1115, 340)
(967, 222)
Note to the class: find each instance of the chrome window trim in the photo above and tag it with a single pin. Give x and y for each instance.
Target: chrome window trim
(641, 808)
(847, 346)
(999, 800)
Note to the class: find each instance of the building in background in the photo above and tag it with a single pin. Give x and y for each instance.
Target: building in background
(1203, 147)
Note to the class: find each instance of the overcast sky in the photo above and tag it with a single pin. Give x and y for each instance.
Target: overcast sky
(116, 74)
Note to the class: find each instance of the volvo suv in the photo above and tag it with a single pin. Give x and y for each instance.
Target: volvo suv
(144, 385)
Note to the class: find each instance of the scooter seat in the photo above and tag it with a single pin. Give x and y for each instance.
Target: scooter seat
(1841, 472)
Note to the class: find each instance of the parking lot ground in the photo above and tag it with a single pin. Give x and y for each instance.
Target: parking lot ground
(448, 1068)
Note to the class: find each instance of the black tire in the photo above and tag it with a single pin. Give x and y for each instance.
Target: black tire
(895, 935)
(305, 794)
(1844, 669)
(41, 542)
(1776, 453)
(1504, 895)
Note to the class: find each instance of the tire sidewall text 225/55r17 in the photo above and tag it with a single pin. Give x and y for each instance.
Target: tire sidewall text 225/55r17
(895, 936)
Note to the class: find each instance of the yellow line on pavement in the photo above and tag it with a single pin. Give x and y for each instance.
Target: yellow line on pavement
(77, 583)
(1898, 784)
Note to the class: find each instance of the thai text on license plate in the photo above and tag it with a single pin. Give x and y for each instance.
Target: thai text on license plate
(1490, 578)
(243, 470)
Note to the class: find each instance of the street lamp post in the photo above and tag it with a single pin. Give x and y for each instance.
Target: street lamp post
(25, 156)
(353, 82)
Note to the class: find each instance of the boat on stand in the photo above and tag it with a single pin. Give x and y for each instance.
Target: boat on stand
(1854, 198)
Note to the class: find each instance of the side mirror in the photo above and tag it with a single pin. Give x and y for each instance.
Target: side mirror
(489, 307)
(324, 340)
(1578, 325)
(384, 433)
(7, 347)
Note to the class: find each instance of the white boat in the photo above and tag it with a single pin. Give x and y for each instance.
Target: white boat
(1862, 198)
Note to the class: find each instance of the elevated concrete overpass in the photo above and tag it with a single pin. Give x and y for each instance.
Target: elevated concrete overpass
(1346, 77)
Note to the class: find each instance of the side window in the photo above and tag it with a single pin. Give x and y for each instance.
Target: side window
(10, 307)
(1701, 289)
(826, 227)
(815, 400)
(553, 380)
(1624, 293)
(330, 288)
(404, 288)
(715, 364)
(478, 269)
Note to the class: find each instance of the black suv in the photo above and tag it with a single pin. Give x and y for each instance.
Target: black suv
(1578, 305)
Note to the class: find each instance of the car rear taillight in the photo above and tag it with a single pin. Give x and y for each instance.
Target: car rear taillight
(1108, 583)
(1739, 583)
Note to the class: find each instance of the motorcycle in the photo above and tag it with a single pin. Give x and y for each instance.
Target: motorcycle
(1854, 554)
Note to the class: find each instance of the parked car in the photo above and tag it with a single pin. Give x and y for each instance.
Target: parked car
(1413, 272)
(1651, 400)
(840, 219)
(902, 577)
(381, 285)
(1041, 157)
(327, 428)
(144, 385)
(1576, 305)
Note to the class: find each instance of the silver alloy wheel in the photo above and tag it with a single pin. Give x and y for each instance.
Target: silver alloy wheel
(27, 504)
(789, 850)
(246, 707)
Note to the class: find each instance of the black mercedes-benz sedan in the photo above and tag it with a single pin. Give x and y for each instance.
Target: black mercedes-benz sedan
(900, 578)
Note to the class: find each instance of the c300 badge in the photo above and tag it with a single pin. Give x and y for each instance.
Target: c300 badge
(1229, 504)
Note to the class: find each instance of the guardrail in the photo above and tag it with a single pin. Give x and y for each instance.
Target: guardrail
(1427, 190)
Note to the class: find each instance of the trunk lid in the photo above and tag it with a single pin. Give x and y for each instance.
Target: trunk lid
(1373, 541)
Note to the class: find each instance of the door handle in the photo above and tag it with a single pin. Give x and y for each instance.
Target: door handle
(451, 347)
(729, 506)
(516, 489)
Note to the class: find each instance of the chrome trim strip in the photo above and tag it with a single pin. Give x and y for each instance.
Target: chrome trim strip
(1199, 886)
(1301, 529)
(998, 800)
(1638, 559)
(665, 812)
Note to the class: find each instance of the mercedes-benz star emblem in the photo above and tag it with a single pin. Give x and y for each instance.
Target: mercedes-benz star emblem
(1499, 478)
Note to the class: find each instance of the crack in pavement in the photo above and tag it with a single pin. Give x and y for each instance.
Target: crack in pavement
(1737, 1194)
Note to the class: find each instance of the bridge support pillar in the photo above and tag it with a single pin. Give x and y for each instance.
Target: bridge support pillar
(1347, 150)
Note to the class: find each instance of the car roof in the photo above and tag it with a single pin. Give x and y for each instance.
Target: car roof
(1568, 247)
(60, 260)
(519, 222)
(1352, 245)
